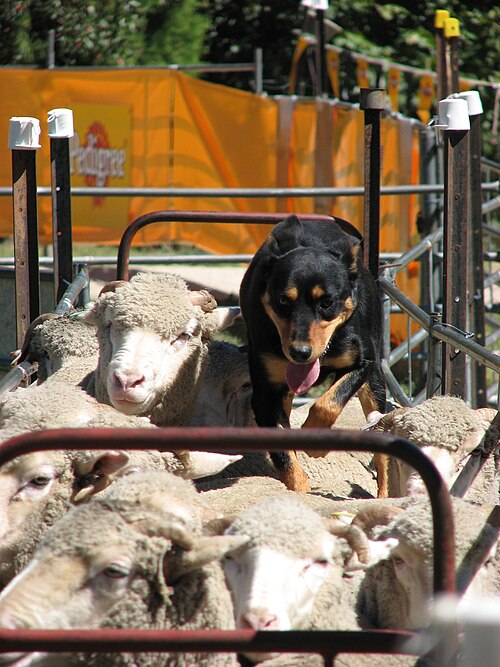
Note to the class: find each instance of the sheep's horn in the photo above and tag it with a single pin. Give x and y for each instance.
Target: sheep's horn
(368, 518)
(23, 352)
(355, 537)
(112, 286)
(203, 299)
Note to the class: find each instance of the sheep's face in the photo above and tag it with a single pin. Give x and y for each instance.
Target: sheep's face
(27, 485)
(144, 365)
(152, 342)
(414, 574)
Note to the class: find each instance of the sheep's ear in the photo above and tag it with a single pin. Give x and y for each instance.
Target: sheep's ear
(222, 318)
(204, 551)
(95, 471)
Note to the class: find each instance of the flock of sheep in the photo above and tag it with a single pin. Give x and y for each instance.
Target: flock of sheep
(127, 539)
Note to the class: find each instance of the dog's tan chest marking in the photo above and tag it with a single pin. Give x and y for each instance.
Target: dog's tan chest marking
(275, 368)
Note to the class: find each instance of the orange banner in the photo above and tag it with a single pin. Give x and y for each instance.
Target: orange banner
(158, 128)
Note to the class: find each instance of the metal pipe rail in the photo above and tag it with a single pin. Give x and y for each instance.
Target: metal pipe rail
(323, 642)
(214, 439)
(441, 331)
(249, 193)
(224, 217)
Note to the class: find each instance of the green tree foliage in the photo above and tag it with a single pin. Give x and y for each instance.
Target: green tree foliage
(102, 32)
(238, 28)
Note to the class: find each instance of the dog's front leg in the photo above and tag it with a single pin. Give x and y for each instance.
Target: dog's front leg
(272, 404)
(326, 409)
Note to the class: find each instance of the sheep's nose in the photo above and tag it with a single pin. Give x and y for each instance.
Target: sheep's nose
(259, 619)
(300, 353)
(128, 380)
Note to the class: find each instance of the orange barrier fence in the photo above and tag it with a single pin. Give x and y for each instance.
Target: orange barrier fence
(159, 128)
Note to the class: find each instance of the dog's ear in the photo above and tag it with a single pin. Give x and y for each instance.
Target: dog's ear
(286, 236)
(349, 250)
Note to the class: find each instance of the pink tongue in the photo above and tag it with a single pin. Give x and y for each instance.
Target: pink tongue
(301, 377)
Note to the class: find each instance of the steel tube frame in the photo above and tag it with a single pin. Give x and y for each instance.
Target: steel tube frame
(323, 642)
(225, 217)
(440, 331)
(249, 193)
(215, 439)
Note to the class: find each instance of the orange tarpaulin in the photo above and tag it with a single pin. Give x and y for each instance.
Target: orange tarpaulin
(160, 128)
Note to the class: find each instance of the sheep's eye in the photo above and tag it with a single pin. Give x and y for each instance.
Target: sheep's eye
(115, 571)
(40, 481)
(397, 561)
(321, 561)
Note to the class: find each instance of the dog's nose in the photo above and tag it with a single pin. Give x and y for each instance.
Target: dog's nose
(300, 353)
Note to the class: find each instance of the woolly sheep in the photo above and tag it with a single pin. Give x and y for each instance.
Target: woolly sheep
(56, 404)
(36, 489)
(148, 329)
(289, 575)
(396, 592)
(60, 344)
(134, 557)
(447, 430)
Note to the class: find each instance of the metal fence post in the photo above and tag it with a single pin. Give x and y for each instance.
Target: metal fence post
(451, 31)
(434, 361)
(372, 102)
(441, 77)
(24, 133)
(454, 119)
(475, 237)
(60, 123)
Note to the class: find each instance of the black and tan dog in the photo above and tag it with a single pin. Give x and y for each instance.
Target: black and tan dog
(312, 310)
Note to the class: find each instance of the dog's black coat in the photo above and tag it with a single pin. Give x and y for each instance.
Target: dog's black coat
(305, 296)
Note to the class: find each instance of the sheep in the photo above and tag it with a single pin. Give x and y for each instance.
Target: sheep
(396, 592)
(56, 404)
(448, 431)
(289, 574)
(148, 329)
(132, 557)
(36, 489)
(62, 345)
(224, 398)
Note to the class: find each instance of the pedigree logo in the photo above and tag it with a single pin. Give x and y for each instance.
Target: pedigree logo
(100, 153)
(95, 159)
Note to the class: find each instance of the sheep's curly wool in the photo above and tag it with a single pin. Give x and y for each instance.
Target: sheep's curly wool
(282, 523)
(444, 421)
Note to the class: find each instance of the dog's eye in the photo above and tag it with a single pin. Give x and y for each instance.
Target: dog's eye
(283, 300)
(326, 302)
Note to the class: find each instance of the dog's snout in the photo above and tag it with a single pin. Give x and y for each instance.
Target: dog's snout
(300, 353)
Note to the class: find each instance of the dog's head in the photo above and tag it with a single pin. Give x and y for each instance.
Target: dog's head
(309, 289)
